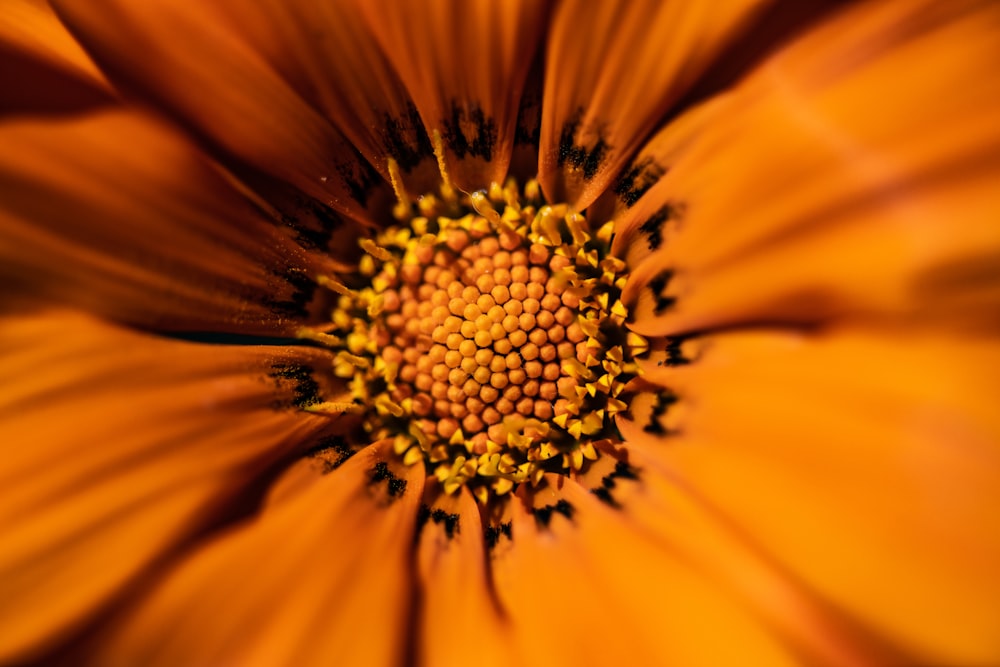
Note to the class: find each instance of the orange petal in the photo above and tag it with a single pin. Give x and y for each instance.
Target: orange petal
(612, 72)
(458, 618)
(224, 90)
(119, 447)
(118, 214)
(867, 465)
(326, 52)
(42, 68)
(465, 65)
(651, 500)
(805, 200)
(650, 164)
(587, 590)
(325, 575)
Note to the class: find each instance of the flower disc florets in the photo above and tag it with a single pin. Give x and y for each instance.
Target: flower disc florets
(486, 338)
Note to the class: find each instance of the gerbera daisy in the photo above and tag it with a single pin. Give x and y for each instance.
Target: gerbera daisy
(499, 333)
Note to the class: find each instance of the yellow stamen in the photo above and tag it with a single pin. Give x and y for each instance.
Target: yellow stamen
(375, 250)
(396, 179)
(333, 284)
(307, 333)
(447, 188)
(335, 408)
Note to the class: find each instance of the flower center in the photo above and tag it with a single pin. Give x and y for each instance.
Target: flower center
(486, 338)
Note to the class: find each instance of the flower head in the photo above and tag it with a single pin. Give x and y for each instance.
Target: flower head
(506, 333)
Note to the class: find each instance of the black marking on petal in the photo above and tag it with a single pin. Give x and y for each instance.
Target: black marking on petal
(492, 534)
(466, 122)
(305, 389)
(528, 130)
(660, 408)
(303, 290)
(331, 452)
(588, 160)
(381, 473)
(327, 218)
(622, 471)
(359, 177)
(405, 138)
(603, 494)
(543, 515)
(653, 227)
(657, 285)
(423, 515)
(449, 522)
(312, 222)
(675, 356)
(635, 181)
(304, 235)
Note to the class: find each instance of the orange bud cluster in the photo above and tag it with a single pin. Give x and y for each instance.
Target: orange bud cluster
(490, 346)
(479, 334)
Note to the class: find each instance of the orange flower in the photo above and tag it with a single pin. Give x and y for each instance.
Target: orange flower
(231, 431)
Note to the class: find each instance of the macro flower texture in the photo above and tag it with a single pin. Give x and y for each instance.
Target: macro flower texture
(370, 332)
